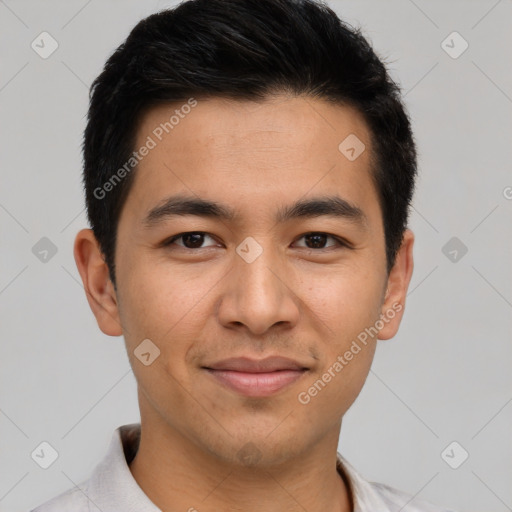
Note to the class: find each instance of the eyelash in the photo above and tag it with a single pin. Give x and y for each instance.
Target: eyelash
(339, 241)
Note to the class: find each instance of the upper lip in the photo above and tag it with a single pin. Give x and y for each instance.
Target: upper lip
(248, 365)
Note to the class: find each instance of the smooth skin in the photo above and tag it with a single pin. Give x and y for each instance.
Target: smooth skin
(200, 302)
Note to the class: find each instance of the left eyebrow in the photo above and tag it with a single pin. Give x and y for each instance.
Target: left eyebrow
(330, 206)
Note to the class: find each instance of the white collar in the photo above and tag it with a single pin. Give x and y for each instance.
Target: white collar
(112, 486)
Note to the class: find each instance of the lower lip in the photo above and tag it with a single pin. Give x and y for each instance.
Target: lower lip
(256, 384)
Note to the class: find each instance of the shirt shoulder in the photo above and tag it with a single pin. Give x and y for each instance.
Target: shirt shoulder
(378, 497)
(397, 500)
(73, 499)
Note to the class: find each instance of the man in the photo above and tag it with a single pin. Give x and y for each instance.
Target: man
(248, 171)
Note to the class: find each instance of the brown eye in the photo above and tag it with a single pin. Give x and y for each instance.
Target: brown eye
(190, 240)
(318, 240)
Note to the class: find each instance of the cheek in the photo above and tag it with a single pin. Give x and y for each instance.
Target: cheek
(170, 308)
(160, 306)
(345, 303)
(342, 389)
(157, 300)
(347, 307)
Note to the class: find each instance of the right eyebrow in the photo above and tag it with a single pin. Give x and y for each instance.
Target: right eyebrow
(185, 205)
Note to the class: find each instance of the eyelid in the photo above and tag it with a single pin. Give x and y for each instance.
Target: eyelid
(172, 239)
(340, 243)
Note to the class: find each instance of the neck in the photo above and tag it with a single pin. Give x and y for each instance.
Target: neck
(176, 475)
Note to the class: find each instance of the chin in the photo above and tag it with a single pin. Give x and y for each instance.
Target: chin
(258, 449)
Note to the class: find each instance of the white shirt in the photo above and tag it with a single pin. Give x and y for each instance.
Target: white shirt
(112, 488)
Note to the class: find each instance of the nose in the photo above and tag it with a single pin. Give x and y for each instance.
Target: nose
(259, 295)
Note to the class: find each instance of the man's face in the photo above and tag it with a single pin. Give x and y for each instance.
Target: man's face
(253, 286)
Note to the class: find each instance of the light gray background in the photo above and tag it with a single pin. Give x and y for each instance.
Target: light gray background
(445, 377)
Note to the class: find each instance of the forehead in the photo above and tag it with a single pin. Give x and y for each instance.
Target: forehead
(219, 122)
(277, 148)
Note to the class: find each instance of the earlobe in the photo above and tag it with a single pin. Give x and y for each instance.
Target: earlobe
(397, 285)
(98, 287)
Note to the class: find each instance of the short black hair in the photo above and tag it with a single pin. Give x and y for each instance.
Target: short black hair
(246, 50)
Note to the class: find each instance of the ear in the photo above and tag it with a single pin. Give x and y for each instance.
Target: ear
(399, 277)
(98, 287)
